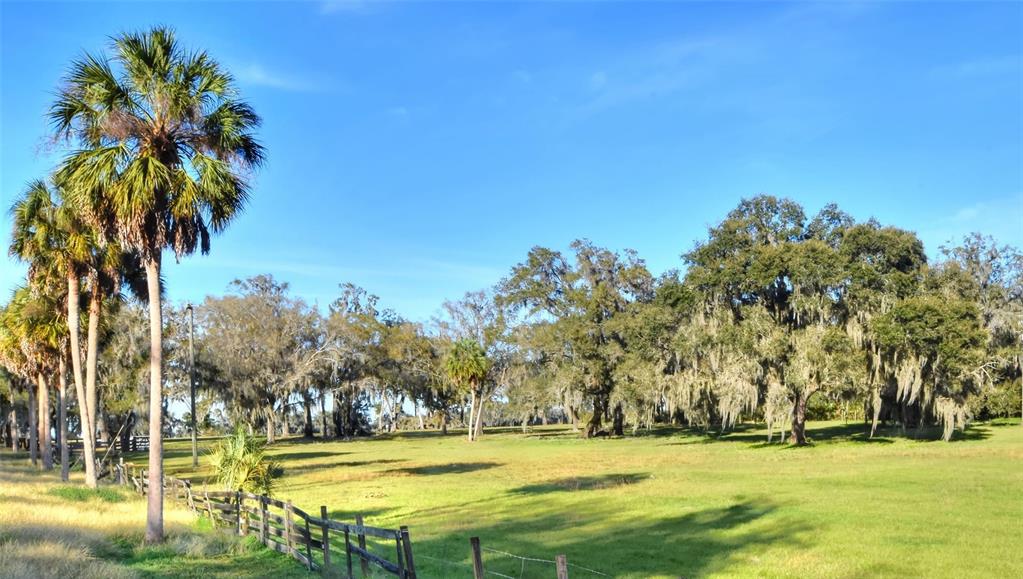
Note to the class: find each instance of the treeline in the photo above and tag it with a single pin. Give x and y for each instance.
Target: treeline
(778, 317)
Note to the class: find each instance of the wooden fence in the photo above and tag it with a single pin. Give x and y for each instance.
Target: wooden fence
(313, 541)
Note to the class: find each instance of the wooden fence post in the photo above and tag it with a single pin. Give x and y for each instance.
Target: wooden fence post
(209, 506)
(562, 564)
(288, 527)
(325, 537)
(406, 544)
(120, 470)
(263, 524)
(362, 545)
(245, 520)
(401, 557)
(238, 512)
(191, 499)
(348, 552)
(477, 558)
(308, 545)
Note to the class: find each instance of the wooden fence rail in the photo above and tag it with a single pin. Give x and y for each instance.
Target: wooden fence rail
(313, 541)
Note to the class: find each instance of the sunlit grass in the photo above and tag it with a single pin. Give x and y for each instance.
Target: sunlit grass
(54, 529)
(672, 502)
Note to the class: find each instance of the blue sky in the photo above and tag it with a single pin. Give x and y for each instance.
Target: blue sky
(420, 149)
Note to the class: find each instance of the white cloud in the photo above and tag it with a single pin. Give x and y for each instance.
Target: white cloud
(989, 66)
(256, 74)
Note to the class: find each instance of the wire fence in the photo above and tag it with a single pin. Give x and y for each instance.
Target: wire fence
(512, 566)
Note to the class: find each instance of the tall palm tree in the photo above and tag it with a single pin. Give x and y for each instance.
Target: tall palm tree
(53, 239)
(165, 148)
(467, 366)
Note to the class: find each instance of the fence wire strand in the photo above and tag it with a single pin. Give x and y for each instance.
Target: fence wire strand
(534, 559)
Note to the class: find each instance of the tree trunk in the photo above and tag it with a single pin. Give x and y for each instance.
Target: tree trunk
(472, 415)
(15, 434)
(619, 420)
(65, 457)
(33, 426)
(574, 416)
(129, 427)
(479, 417)
(798, 435)
(88, 430)
(593, 426)
(103, 427)
(307, 399)
(323, 412)
(91, 357)
(443, 422)
(43, 401)
(271, 428)
(285, 427)
(154, 515)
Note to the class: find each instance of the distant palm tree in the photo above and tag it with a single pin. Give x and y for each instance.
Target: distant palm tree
(32, 322)
(467, 366)
(51, 237)
(164, 149)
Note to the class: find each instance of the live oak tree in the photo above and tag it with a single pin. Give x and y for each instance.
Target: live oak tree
(164, 147)
(578, 304)
(257, 336)
(781, 281)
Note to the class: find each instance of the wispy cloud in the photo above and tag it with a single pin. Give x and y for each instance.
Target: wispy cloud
(256, 74)
(411, 269)
(653, 72)
(1011, 64)
(1001, 218)
(347, 6)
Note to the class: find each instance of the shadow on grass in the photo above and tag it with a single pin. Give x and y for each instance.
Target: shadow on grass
(304, 468)
(303, 455)
(450, 468)
(582, 483)
(696, 544)
(857, 432)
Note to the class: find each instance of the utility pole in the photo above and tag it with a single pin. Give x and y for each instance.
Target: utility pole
(191, 382)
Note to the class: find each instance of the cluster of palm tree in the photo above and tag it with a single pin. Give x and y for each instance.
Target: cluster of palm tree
(159, 151)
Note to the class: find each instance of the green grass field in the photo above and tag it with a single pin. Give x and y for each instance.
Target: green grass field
(676, 503)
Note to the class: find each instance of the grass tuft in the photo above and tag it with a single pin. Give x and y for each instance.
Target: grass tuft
(83, 494)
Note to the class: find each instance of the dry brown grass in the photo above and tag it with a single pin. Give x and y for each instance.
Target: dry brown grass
(42, 535)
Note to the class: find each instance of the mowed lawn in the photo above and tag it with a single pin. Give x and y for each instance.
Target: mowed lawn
(678, 503)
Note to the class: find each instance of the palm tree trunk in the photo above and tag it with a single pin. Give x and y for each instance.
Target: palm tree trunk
(472, 413)
(33, 426)
(88, 432)
(62, 418)
(92, 341)
(45, 450)
(478, 423)
(154, 515)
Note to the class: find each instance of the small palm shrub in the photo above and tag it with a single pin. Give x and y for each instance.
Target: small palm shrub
(240, 463)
